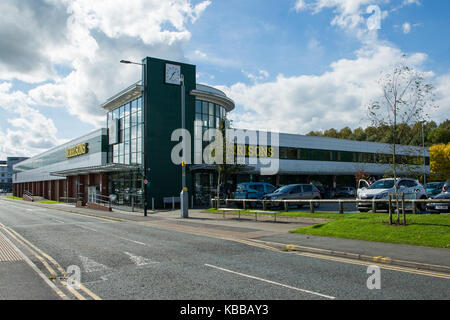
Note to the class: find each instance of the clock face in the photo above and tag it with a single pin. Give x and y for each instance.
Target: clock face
(173, 74)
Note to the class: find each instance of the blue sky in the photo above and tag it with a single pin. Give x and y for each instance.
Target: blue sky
(291, 66)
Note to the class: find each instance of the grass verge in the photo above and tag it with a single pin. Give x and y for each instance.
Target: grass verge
(421, 230)
(49, 201)
(15, 198)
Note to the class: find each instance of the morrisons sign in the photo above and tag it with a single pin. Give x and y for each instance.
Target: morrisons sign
(77, 150)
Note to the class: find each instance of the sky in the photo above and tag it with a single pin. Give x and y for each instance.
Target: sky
(291, 66)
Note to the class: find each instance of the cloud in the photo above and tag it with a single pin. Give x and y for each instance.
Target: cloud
(337, 98)
(31, 132)
(69, 50)
(406, 27)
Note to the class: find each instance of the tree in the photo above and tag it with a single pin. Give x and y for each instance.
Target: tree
(440, 161)
(405, 99)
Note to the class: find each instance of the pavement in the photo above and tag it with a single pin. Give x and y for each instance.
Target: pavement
(262, 229)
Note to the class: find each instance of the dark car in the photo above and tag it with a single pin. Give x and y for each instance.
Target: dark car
(433, 188)
(446, 187)
(294, 192)
(345, 192)
(323, 193)
(440, 207)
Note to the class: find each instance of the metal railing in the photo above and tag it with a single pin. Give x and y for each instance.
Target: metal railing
(100, 199)
(315, 203)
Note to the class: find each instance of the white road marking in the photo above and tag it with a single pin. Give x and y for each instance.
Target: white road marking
(90, 265)
(271, 282)
(139, 261)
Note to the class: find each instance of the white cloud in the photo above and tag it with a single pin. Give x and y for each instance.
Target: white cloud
(86, 39)
(406, 27)
(337, 98)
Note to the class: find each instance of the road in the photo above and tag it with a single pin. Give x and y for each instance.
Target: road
(139, 260)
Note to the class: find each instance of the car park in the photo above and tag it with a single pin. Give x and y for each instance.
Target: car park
(380, 190)
(295, 192)
(345, 192)
(433, 188)
(440, 207)
(253, 190)
(446, 187)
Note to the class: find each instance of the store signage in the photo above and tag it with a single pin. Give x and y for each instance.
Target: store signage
(253, 151)
(77, 150)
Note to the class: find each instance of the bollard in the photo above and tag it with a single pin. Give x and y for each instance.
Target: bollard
(192, 202)
(173, 203)
(341, 207)
(286, 206)
(414, 211)
(244, 206)
(374, 206)
(390, 208)
(311, 206)
(226, 203)
(153, 204)
(264, 205)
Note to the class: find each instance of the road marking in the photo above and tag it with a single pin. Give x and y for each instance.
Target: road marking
(29, 247)
(36, 269)
(112, 235)
(271, 282)
(140, 261)
(90, 265)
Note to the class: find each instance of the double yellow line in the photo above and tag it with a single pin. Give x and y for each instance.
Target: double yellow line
(50, 264)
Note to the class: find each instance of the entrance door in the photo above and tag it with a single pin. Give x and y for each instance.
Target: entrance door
(92, 193)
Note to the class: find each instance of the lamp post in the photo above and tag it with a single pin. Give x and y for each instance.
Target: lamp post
(184, 195)
(145, 180)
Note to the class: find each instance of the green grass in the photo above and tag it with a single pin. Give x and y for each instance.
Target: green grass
(421, 230)
(49, 201)
(15, 198)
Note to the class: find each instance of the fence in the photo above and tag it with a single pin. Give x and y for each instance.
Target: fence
(315, 203)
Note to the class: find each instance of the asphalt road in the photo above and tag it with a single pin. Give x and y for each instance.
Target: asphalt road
(125, 260)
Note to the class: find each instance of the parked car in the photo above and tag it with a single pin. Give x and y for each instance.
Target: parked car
(440, 207)
(253, 190)
(433, 188)
(381, 189)
(295, 192)
(446, 187)
(323, 193)
(345, 192)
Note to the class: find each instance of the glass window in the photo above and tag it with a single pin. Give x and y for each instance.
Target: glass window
(133, 157)
(126, 122)
(139, 117)
(205, 107)
(198, 116)
(198, 106)
(127, 147)
(133, 119)
(307, 188)
(211, 109)
(139, 103)
(116, 113)
(139, 130)
(127, 110)
(133, 106)
(133, 146)
(139, 145)
(211, 121)
(127, 136)
(217, 110)
(133, 132)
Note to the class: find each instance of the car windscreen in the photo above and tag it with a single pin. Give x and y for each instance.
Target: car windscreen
(282, 189)
(382, 184)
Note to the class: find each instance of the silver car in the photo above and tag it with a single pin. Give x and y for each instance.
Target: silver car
(295, 192)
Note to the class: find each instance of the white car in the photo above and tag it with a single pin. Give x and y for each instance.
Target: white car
(380, 191)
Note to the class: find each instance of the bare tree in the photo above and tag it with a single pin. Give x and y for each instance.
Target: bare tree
(406, 99)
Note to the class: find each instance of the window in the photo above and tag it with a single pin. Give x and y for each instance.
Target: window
(307, 188)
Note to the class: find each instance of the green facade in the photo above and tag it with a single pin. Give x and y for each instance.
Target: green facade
(162, 114)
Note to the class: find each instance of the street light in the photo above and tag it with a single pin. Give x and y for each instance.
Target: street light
(144, 177)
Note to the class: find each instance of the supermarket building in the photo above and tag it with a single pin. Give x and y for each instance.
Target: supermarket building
(130, 160)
